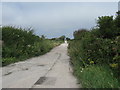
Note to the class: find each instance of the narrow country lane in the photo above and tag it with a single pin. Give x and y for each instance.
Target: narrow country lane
(51, 70)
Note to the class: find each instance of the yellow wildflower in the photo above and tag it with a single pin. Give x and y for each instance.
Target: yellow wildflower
(114, 65)
(91, 62)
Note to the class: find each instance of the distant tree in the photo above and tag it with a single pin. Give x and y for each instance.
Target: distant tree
(117, 23)
(42, 37)
(109, 27)
(79, 33)
(53, 38)
(67, 38)
(62, 37)
(106, 26)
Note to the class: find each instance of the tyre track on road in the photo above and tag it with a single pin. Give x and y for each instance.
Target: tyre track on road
(42, 80)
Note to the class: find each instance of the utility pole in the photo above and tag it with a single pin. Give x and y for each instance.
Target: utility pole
(119, 6)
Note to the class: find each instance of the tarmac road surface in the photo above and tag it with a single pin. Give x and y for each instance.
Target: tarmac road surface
(51, 70)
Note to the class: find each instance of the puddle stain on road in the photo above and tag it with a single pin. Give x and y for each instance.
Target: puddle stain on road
(8, 73)
(40, 81)
(46, 81)
(41, 65)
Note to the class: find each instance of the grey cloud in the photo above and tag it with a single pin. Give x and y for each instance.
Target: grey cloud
(53, 19)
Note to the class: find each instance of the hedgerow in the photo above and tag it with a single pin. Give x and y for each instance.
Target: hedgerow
(99, 46)
(19, 44)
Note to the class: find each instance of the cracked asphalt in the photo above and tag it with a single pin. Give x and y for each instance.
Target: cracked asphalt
(51, 70)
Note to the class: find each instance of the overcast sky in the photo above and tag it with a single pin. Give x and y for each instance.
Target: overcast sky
(55, 19)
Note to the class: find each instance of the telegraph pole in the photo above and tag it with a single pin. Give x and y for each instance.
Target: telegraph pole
(118, 8)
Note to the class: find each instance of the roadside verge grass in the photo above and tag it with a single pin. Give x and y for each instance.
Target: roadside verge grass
(96, 77)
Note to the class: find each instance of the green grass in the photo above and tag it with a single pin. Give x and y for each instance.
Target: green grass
(96, 77)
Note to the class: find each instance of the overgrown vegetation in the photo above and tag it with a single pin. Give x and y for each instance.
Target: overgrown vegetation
(95, 54)
(20, 44)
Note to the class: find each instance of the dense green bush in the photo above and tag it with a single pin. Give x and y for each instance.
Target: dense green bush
(95, 50)
(20, 44)
(98, 47)
(18, 36)
(92, 51)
